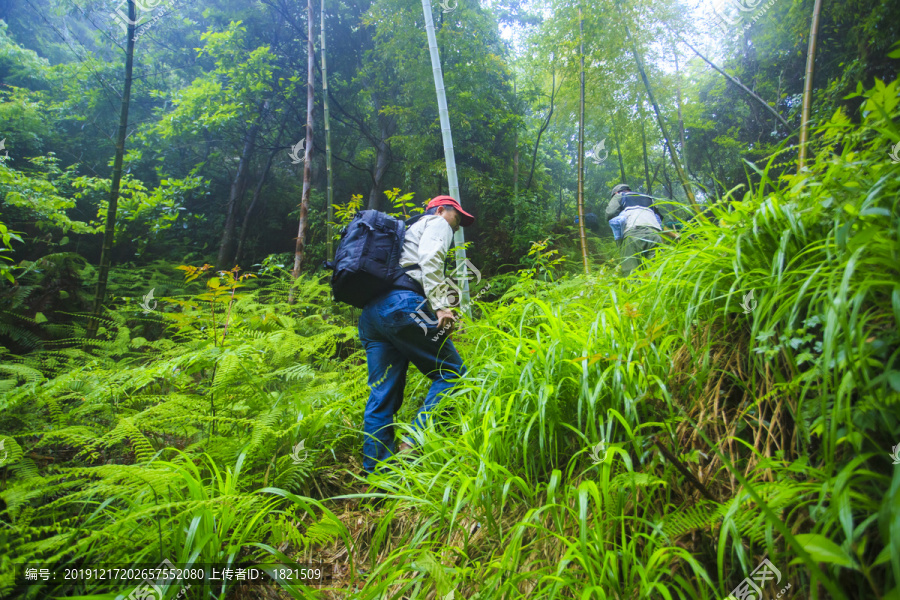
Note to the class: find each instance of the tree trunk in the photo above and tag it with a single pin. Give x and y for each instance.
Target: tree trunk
(807, 86)
(684, 152)
(330, 197)
(238, 185)
(449, 157)
(619, 152)
(584, 256)
(387, 126)
(516, 150)
(300, 249)
(646, 165)
(560, 206)
(256, 193)
(668, 182)
(110, 230)
(543, 128)
(662, 126)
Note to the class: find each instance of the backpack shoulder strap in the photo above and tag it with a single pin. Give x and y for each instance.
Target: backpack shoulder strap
(413, 220)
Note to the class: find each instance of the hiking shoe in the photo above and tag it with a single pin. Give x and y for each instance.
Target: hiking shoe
(408, 450)
(408, 454)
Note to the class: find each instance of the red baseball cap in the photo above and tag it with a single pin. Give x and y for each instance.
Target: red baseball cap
(467, 219)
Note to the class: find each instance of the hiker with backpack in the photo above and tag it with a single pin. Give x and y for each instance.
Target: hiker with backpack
(393, 271)
(637, 223)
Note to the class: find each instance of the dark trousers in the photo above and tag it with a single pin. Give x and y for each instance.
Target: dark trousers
(394, 334)
(639, 245)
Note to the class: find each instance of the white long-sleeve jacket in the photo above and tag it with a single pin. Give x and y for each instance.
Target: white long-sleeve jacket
(426, 245)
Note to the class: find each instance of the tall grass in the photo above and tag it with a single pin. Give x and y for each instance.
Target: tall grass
(785, 417)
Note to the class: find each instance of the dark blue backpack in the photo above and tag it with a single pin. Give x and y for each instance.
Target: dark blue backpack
(630, 199)
(367, 260)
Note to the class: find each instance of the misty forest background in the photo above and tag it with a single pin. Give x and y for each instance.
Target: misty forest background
(176, 382)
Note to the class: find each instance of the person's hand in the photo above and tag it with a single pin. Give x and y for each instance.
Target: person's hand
(446, 318)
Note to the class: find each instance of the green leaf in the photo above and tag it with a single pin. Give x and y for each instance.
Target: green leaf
(883, 557)
(824, 550)
(40, 318)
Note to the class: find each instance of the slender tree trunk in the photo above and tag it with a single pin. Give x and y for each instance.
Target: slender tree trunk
(449, 157)
(646, 165)
(256, 193)
(584, 256)
(330, 197)
(387, 126)
(656, 173)
(543, 128)
(109, 231)
(619, 152)
(559, 209)
(516, 151)
(299, 252)
(807, 86)
(743, 87)
(684, 151)
(238, 185)
(662, 125)
(668, 182)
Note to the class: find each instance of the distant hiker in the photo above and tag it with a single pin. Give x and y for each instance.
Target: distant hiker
(636, 222)
(390, 329)
(591, 222)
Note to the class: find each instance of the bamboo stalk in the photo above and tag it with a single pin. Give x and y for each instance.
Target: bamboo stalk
(743, 87)
(618, 150)
(581, 233)
(646, 164)
(449, 157)
(330, 197)
(807, 86)
(662, 126)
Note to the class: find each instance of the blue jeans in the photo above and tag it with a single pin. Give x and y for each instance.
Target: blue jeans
(394, 336)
